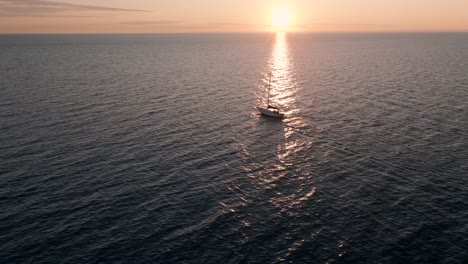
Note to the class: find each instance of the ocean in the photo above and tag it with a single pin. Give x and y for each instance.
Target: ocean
(150, 149)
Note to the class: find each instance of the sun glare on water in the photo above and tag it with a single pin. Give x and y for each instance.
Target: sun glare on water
(280, 18)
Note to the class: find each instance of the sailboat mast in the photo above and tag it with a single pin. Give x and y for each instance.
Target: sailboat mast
(269, 87)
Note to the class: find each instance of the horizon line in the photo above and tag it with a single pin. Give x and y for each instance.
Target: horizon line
(233, 32)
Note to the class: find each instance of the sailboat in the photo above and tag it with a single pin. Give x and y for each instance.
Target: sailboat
(270, 110)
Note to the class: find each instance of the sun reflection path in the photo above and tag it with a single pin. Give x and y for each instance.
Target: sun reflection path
(278, 183)
(283, 168)
(283, 92)
(281, 66)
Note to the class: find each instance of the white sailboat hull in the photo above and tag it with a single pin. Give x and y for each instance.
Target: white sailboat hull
(267, 112)
(270, 110)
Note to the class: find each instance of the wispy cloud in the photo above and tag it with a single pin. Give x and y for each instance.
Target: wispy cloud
(247, 25)
(186, 26)
(154, 22)
(337, 26)
(46, 7)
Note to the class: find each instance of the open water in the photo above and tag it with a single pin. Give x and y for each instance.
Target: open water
(149, 149)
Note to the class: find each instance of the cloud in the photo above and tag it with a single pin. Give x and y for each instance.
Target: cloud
(154, 22)
(237, 25)
(47, 7)
(337, 26)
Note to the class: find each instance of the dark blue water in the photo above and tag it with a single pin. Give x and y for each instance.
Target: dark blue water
(149, 148)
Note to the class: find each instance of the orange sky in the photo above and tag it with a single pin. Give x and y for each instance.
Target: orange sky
(154, 16)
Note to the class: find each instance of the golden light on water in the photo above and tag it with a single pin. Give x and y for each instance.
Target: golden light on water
(283, 92)
(281, 66)
(272, 157)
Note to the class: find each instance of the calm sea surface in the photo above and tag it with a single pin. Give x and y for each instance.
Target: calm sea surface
(149, 148)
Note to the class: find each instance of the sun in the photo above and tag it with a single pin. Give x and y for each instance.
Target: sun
(280, 18)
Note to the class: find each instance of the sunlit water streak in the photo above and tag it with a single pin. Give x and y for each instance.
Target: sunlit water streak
(274, 169)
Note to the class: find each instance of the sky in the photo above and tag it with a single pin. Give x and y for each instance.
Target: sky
(175, 16)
